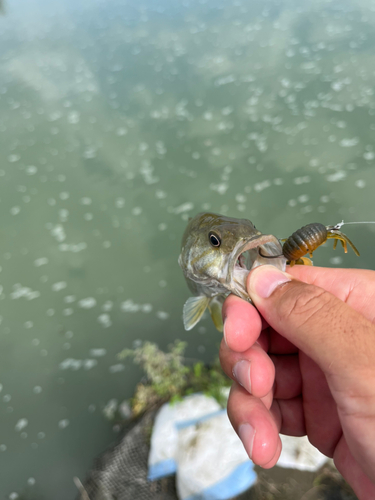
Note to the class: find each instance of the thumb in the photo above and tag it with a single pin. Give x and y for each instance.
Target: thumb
(325, 328)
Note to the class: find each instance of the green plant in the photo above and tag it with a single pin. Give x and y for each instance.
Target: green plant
(169, 378)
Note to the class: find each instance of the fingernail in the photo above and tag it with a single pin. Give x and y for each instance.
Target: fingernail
(241, 372)
(247, 435)
(224, 334)
(264, 280)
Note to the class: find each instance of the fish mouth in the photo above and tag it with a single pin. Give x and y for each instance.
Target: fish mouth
(252, 253)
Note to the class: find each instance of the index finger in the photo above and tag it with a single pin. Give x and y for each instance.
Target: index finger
(242, 323)
(243, 326)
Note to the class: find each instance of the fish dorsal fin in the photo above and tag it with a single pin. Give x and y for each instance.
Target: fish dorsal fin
(194, 308)
(215, 306)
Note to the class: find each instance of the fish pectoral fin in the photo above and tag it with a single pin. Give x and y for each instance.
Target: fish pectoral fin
(215, 306)
(193, 310)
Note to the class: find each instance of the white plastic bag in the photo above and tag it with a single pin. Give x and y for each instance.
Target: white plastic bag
(212, 463)
(164, 440)
(195, 440)
(299, 453)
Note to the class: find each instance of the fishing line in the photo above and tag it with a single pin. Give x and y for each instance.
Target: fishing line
(342, 223)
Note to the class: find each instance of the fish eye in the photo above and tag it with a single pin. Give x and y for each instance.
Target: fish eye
(214, 239)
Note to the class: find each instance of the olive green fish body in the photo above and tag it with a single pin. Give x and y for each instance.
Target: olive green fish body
(216, 257)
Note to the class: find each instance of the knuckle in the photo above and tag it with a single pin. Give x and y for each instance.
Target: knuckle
(305, 303)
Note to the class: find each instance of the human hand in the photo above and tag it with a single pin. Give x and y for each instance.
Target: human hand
(303, 362)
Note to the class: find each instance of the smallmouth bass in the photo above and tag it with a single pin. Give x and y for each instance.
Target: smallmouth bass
(216, 257)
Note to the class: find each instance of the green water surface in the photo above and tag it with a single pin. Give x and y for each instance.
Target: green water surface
(118, 121)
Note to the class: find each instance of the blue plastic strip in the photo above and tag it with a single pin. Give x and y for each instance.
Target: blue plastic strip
(193, 421)
(242, 478)
(161, 469)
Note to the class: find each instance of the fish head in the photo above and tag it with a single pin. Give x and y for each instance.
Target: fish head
(218, 253)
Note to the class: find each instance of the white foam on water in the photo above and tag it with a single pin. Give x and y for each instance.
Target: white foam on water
(130, 306)
(20, 291)
(116, 368)
(98, 352)
(260, 186)
(69, 299)
(63, 424)
(162, 315)
(31, 170)
(87, 303)
(77, 364)
(60, 285)
(13, 158)
(360, 183)
(220, 188)
(42, 261)
(75, 248)
(337, 176)
(105, 320)
(349, 143)
(302, 180)
(120, 202)
(185, 207)
(369, 155)
(58, 233)
(107, 306)
(21, 424)
(336, 261)
(303, 198)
